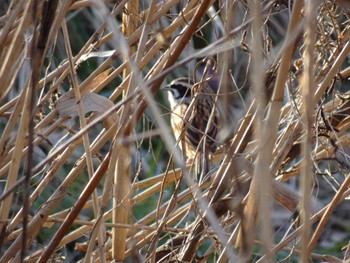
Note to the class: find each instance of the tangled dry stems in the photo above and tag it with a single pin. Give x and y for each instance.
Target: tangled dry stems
(83, 183)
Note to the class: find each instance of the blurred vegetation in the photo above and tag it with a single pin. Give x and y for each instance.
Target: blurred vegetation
(89, 170)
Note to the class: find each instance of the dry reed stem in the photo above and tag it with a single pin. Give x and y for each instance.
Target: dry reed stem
(15, 162)
(258, 204)
(86, 140)
(121, 171)
(121, 198)
(307, 91)
(270, 128)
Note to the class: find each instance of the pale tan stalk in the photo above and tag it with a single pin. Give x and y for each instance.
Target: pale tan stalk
(85, 137)
(121, 154)
(307, 90)
(269, 131)
(15, 162)
(260, 188)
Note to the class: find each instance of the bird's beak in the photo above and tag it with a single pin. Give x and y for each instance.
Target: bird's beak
(165, 88)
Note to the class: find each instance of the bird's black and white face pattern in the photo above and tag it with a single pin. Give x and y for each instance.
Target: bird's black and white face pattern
(180, 92)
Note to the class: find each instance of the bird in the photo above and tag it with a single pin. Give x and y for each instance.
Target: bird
(195, 119)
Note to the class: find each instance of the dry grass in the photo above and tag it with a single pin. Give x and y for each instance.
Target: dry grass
(87, 158)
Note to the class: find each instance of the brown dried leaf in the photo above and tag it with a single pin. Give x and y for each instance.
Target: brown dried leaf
(92, 102)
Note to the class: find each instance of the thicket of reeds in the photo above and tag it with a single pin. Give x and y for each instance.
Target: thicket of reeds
(89, 168)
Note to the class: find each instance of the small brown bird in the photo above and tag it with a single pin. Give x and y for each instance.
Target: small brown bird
(201, 125)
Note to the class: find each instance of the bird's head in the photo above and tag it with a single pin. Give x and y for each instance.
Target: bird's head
(179, 91)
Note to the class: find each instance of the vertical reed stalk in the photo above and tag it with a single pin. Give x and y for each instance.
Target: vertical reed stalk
(308, 116)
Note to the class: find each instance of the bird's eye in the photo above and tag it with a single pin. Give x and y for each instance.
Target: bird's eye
(175, 93)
